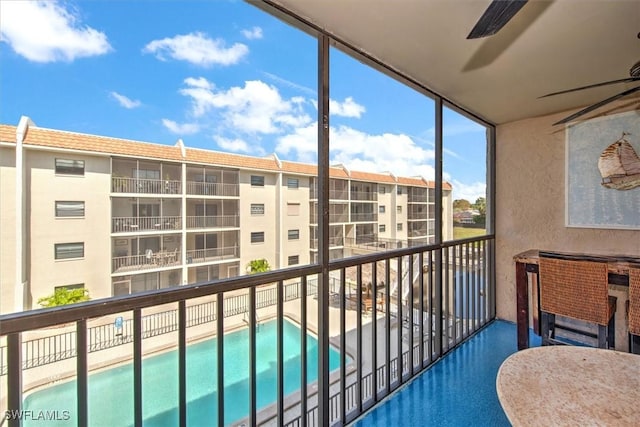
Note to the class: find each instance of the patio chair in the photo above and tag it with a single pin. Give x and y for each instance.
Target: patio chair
(633, 310)
(577, 289)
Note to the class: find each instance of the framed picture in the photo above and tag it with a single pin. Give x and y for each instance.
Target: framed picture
(121, 242)
(596, 194)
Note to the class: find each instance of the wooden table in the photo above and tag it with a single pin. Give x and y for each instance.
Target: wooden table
(572, 386)
(527, 263)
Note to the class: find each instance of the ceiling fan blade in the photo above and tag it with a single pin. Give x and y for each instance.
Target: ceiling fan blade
(495, 17)
(628, 79)
(597, 105)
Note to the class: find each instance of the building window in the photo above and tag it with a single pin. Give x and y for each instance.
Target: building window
(69, 250)
(294, 259)
(69, 209)
(146, 174)
(257, 208)
(399, 209)
(293, 182)
(381, 209)
(399, 226)
(70, 287)
(257, 181)
(69, 167)
(399, 191)
(257, 237)
(382, 189)
(293, 209)
(382, 228)
(293, 234)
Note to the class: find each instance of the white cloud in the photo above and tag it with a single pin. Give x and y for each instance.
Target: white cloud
(290, 84)
(253, 34)
(469, 192)
(197, 48)
(256, 108)
(181, 129)
(47, 31)
(125, 101)
(238, 145)
(357, 150)
(348, 108)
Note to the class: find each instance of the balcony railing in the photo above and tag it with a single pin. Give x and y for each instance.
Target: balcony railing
(146, 186)
(212, 254)
(129, 224)
(147, 261)
(213, 189)
(215, 221)
(425, 301)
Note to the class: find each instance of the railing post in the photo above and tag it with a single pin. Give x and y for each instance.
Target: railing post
(81, 373)
(14, 378)
(323, 230)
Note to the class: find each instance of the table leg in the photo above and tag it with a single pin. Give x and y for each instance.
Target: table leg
(522, 306)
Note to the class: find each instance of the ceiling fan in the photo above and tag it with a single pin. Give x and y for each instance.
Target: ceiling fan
(500, 12)
(634, 73)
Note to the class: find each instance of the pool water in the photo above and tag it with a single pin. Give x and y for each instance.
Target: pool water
(111, 391)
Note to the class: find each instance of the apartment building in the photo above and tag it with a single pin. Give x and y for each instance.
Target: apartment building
(117, 216)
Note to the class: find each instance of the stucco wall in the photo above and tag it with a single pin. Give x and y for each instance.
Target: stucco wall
(530, 204)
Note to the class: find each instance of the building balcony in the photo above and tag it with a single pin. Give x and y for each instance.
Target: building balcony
(214, 221)
(145, 186)
(212, 254)
(364, 217)
(408, 330)
(153, 223)
(364, 195)
(148, 261)
(212, 189)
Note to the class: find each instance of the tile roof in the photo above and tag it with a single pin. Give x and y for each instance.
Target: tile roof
(99, 144)
(226, 159)
(370, 176)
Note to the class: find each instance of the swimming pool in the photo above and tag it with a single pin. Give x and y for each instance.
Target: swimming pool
(111, 391)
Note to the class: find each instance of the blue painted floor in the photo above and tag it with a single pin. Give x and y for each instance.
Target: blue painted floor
(459, 390)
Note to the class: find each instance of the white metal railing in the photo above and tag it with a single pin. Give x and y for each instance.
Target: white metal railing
(213, 221)
(146, 186)
(212, 254)
(128, 224)
(147, 261)
(213, 189)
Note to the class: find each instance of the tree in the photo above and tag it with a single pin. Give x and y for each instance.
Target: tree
(258, 266)
(64, 296)
(461, 205)
(481, 205)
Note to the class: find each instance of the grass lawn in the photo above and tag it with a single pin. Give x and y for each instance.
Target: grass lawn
(465, 233)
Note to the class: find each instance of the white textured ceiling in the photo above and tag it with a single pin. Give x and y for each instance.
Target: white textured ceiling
(548, 46)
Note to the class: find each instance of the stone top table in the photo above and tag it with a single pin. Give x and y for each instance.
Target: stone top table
(571, 386)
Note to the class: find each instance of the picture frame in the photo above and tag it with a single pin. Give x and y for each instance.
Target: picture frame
(588, 203)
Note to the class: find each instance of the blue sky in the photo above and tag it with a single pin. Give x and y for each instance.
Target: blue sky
(221, 75)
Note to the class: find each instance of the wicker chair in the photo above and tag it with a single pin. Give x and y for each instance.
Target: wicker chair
(633, 310)
(578, 289)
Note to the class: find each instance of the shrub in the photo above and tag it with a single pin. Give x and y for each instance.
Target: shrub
(64, 296)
